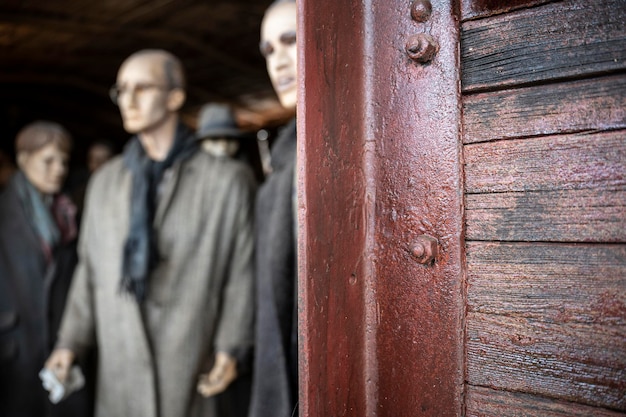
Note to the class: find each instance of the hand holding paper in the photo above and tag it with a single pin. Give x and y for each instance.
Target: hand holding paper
(59, 390)
(59, 377)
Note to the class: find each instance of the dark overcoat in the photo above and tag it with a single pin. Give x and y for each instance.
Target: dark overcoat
(200, 294)
(275, 385)
(32, 296)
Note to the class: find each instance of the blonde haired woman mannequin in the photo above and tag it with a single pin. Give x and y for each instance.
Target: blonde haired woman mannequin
(37, 259)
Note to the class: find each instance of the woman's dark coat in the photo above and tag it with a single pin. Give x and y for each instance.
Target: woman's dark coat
(275, 384)
(32, 297)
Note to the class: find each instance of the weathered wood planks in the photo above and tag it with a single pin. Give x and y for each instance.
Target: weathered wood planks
(556, 283)
(475, 9)
(590, 160)
(571, 361)
(546, 319)
(544, 112)
(485, 402)
(569, 188)
(555, 41)
(593, 104)
(550, 216)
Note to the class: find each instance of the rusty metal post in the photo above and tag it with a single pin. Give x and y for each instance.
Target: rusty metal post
(380, 199)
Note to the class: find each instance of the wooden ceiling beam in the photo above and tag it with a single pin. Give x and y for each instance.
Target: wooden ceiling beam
(63, 109)
(54, 79)
(66, 58)
(95, 28)
(252, 112)
(151, 10)
(200, 95)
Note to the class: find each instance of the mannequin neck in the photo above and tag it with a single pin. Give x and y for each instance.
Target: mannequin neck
(157, 141)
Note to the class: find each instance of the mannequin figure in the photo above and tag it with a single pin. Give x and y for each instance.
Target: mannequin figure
(98, 153)
(163, 286)
(37, 258)
(275, 376)
(218, 130)
(220, 136)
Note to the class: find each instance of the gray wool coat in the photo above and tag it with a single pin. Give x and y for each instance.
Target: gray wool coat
(200, 296)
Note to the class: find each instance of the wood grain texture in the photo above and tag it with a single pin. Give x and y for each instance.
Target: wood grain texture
(554, 41)
(485, 402)
(555, 283)
(591, 160)
(569, 361)
(476, 9)
(544, 113)
(593, 104)
(553, 216)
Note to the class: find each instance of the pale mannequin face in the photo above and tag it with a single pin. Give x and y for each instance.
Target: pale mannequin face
(278, 45)
(221, 146)
(144, 95)
(45, 168)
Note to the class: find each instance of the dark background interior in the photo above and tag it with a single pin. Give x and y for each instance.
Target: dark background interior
(59, 58)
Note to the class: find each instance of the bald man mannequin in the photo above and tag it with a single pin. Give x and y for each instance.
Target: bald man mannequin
(164, 283)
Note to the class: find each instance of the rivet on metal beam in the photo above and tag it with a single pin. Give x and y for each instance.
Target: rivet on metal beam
(425, 249)
(421, 10)
(421, 47)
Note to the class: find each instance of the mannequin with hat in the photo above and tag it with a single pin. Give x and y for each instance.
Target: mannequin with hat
(218, 130)
(220, 136)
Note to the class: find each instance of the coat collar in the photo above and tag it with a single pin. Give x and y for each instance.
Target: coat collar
(284, 149)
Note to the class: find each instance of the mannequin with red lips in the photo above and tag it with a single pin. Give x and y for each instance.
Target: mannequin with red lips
(275, 378)
(278, 46)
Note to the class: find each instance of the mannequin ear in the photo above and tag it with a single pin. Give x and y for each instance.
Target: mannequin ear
(176, 99)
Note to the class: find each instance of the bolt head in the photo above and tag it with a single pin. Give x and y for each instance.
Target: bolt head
(418, 250)
(421, 10)
(425, 249)
(421, 47)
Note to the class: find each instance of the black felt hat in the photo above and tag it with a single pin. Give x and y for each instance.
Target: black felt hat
(217, 121)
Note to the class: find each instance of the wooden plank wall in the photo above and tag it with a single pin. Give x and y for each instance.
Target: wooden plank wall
(544, 132)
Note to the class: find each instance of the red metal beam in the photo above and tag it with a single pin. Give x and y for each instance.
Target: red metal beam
(379, 168)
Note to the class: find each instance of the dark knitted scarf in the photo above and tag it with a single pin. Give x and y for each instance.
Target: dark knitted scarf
(140, 250)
